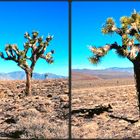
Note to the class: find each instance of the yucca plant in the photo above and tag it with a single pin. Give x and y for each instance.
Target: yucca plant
(130, 46)
(34, 48)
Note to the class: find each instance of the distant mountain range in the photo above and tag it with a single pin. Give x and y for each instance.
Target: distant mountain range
(20, 75)
(77, 74)
(109, 73)
(129, 69)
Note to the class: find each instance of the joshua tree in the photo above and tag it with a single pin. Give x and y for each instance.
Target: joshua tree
(130, 46)
(34, 48)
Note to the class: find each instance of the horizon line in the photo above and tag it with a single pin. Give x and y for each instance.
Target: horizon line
(33, 73)
(101, 68)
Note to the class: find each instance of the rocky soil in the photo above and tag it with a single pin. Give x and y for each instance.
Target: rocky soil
(105, 111)
(40, 116)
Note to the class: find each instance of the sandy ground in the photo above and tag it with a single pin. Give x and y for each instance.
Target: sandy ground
(40, 116)
(105, 109)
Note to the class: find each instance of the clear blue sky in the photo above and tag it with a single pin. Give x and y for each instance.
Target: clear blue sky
(45, 17)
(87, 20)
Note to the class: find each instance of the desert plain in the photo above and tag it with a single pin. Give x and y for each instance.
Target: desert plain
(104, 108)
(43, 115)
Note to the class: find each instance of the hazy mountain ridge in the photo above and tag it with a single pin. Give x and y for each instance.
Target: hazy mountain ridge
(20, 75)
(129, 69)
(108, 73)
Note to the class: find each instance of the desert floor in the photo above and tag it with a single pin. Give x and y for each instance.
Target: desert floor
(40, 116)
(105, 109)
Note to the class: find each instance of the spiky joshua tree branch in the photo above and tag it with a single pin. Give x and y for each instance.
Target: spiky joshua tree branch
(34, 48)
(129, 32)
(130, 46)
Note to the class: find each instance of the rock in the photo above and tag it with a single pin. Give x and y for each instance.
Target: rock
(49, 95)
(2, 94)
(64, 98)
(37, 97)
(66, 91)
(76, 101)
(21, 86)
(41, 107)
(10, 120)
(48, 102)
(10, 94)
(55, 97)
(20, 94)
(30, 112)
(65, 105)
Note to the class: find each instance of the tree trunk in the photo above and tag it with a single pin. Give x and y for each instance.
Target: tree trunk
(137, 80)
(28, 83)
